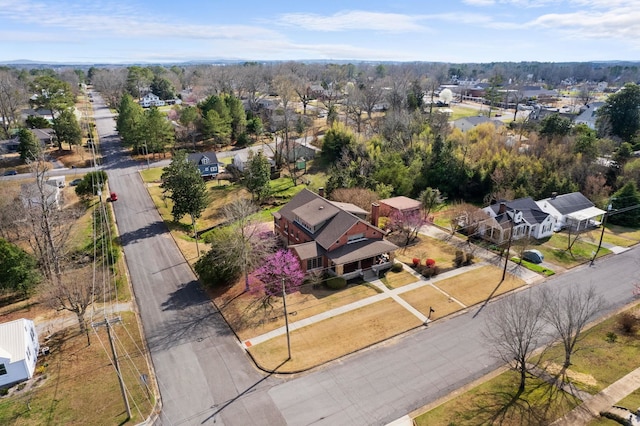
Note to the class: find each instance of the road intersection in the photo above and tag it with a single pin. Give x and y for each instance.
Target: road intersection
(205, 376)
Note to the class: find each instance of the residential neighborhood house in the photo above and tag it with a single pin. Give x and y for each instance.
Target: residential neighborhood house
(18, 351)
(467, 123)
(324, 236)
(572, 210)
(241, 158)
(589, 115)
(150, 100)
(401, 204)
(31, 196)
(520, 218)
(207, 163)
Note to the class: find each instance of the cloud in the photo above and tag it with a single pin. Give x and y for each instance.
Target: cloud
(99, 21)
(354, 20)
(621, 23)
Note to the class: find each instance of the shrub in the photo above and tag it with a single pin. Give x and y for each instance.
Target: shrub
(627, 323)
(4, 391)
(430, 263)
(611, 337)
(382, 222)
(336, 283)
(397, 267)
(468, 258)
(460, 258)
(416, 262)
(428, 272)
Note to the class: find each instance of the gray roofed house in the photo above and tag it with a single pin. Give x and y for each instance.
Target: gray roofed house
(207, 163)
(573, 209)
(589, 115)
(325, 235)
(467, 123)
(522, 215)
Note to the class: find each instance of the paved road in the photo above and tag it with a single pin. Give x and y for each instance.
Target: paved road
(381, 385)
(204, 376)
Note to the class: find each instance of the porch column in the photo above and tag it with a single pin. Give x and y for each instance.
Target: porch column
(391, 256)
(339, 269)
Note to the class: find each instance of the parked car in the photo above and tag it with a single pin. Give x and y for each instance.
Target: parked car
(533, 256)
(75, 182)
(11, 173)
(113, 197)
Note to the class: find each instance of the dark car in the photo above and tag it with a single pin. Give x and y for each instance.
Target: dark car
(113, 197)
(75, 182)
(11, 173)
(533, 256)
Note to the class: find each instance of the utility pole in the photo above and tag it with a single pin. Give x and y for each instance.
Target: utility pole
(604, 221)
(286, 319)
(123, 390)
(512, 219)
(195, 234)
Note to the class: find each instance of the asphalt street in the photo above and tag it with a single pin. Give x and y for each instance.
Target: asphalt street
(205, 377)
(203, 374)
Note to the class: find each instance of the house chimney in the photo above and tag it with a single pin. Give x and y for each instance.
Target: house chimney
(503, 207)
(375, 213)
(321, 191)
(554, 195)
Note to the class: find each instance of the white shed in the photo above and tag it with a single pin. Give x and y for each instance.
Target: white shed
(18, 351)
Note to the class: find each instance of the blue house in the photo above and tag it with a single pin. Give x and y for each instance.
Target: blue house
(207, 163)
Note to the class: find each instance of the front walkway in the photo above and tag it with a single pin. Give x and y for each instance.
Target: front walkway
(591, 408)
(386, 293)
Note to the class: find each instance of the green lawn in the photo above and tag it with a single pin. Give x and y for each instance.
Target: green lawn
(555, 249)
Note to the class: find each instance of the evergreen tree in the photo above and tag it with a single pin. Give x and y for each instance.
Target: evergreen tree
(129, 121)
(182, 180)
(156, 131)
(627, 197)
(18, 269)
(67, 128)
(29, 146)
(620, 115)
(257, 175)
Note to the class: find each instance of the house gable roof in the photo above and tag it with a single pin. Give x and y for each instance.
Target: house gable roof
(307, 206)
(201, 158)
(401, 203)
(569, 203)
(12, 340)
(531, 212)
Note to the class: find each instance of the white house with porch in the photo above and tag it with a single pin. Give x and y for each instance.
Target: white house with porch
(572, 210)
(523, 216)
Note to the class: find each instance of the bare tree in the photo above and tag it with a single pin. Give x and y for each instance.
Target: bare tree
(111, 83)
(46, 225)
(361, 197)
(252, 242)
(13, 96)
(284, 85)
(515, 328)
(568, 313)
(74, 292)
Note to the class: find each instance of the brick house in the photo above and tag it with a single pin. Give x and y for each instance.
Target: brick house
(326, 236)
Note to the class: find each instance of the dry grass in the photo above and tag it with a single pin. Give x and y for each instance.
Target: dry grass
(398, 279)
(77, 384)
(476, 286)
(427, 297)
(249, 317)
(428, 248)
(316, 344)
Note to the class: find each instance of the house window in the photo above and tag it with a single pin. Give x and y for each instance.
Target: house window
(3, 370)
(204, 160)
(314, 263)
(355, 238)
(33, 335)
(29, 354)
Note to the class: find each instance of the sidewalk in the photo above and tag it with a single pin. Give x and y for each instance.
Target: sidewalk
(591, 408)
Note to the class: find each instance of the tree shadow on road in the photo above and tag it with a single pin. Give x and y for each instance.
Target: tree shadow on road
(151, 230)
(191, 318)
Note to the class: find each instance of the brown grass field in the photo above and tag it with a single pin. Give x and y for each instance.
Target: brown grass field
(335, 337)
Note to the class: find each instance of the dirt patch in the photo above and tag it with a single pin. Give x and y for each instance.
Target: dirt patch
(587, 379)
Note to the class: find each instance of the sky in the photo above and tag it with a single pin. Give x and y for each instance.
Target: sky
(455, 31)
